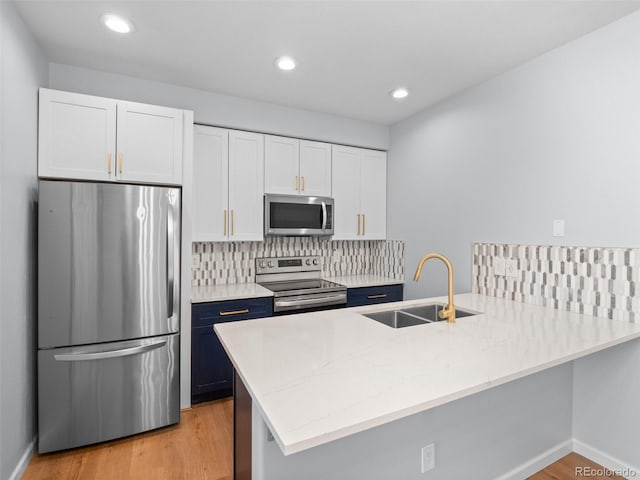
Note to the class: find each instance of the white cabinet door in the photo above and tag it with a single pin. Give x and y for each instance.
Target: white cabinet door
(149, 143)
(315, 169)
(246, 186)
(373, 194)
(76, 136)
(210, 184)
(281, 155)
(345, 180)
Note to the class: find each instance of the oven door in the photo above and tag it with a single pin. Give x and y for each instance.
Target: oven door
(298, 215)
(309, 302)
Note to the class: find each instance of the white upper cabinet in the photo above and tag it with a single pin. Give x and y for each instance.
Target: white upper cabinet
(315, 169)
(297, 167)
(210, 184)
(149, 140)
(373, 194)
(346, 193)
(359, 185)
(281, 165)
(77, 136)
(246, 186)
(94, 138)
(228, 179)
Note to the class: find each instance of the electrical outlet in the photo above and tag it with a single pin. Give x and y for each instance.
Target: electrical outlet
(195, 261)
(512, 268)
(499, 266)
(428, 457)
(558, 228)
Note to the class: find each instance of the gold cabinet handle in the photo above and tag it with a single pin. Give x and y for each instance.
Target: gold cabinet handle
(358, 224)
(120, 162)
(303, 184)
(297, 185)
(364, 229)
(380, 295)
(232, 224)
(109, 158)
(234, 312)
(224, 223)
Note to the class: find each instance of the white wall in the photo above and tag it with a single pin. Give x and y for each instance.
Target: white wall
(558, 137)
(606, 417)
(223, 110)
(24, 69)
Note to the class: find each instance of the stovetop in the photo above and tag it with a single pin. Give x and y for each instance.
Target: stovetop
(302, 286)
(289, 276)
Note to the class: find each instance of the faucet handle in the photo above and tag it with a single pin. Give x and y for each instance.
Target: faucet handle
(448, 312)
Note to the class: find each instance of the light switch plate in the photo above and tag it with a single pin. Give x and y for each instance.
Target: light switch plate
(499, 266)
(558, 228)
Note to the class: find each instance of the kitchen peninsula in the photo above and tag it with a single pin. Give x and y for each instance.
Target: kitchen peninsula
(345, 396)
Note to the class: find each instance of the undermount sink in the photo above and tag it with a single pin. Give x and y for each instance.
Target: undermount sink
(408, 317)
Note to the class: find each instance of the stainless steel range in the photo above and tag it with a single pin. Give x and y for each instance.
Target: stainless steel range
(297, 285)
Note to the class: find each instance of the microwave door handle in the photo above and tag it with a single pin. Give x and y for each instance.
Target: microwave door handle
(324, 216)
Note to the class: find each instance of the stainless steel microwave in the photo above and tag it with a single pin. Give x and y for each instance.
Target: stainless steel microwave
(297, 215)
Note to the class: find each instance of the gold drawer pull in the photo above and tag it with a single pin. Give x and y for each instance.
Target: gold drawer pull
(380, 295)
(234, 312)
(120, 162)
(224, 223)
(303, 184)
(297, 184)
(358, 224)
(109, 163)
(363, 224)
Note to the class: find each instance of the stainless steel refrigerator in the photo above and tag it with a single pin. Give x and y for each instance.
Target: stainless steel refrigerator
(108, 311)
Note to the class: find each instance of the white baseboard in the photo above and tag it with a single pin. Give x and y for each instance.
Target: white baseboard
(24, 460)
(606, 460)
(538, 463)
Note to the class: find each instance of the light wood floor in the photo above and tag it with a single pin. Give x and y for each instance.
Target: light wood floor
(565, 469)
(199, 448)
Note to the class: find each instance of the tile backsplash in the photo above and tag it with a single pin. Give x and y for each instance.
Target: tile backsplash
(593, 280)
(215, 263)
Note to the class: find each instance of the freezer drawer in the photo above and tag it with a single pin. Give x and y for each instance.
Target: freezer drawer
(100, 392)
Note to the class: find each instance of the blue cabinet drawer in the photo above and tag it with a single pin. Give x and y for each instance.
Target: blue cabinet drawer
(211, 369)
(203, 314)
(372, 295)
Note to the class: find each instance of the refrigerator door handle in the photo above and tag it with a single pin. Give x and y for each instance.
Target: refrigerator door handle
(170, 259)
(121, 352)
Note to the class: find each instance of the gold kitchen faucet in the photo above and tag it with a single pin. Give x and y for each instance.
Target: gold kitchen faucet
(448, 312)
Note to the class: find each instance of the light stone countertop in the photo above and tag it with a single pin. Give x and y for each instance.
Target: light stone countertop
(230, 291)
(357, 281)
(237, 291)
(321, 376)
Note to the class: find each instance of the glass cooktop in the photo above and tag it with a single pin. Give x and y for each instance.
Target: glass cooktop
(299, 287)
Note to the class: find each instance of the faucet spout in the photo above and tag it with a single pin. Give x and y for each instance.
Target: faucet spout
(448, 312)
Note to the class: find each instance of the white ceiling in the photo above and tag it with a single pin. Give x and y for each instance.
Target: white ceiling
(350, 53)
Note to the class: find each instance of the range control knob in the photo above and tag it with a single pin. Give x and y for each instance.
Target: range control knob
(270, 264)
(308, 262)
(316, 261)
(263, 264)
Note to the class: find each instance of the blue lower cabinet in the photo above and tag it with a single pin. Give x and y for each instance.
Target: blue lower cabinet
(211, 369)
(371, 295)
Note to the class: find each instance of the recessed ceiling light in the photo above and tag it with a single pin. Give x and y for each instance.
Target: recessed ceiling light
(116, 23)
(286, 63)
(399, 93)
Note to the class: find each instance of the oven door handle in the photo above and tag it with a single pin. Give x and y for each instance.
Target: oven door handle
(324, 216)
(311, 301)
